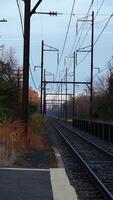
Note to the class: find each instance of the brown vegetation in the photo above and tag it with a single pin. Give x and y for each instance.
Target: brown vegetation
(13, 139)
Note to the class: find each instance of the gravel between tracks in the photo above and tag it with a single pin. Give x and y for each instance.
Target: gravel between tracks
(84, 188)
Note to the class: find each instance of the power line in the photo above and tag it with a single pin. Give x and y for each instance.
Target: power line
(64, 44)
(67, 30)
(97, 38)
(103, 29)
(21, 22)
(82, 27)
(88, 32)
(88, 29)
(33, 79)
(90, 25)
(20, 15)
(105, 67)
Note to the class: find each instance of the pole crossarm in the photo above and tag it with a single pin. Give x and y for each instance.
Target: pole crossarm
(83, 51)
(54, 94)
(51, 47)
(3, 20)
(35, 7)
(68, 82)
(89, 46)
(83, 18)
(50, 104)
(55, 100)
(50, 50)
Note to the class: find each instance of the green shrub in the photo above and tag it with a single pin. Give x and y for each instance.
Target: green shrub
(38, 122)
(2, 116)
(33, 108)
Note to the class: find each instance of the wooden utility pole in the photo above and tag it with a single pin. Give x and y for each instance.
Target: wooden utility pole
(66, 96)
(26, 63)
(42, 68)
(18, 84)
(26, 54)
(92, 52)
(44, 99)
(61, 101)
(73, 88)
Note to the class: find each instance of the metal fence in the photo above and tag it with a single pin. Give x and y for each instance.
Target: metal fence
(99, 129)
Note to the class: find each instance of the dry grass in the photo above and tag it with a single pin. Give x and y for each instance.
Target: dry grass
(13, 137)
(38, 124)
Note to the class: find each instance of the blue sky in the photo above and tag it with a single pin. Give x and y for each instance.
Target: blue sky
(53, 29)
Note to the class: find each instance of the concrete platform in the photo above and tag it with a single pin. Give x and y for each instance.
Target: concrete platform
(35, 184)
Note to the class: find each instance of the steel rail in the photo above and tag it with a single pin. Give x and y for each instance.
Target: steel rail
(92, 143)
(103, 189)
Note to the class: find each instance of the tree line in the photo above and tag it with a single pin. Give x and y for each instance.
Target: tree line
(102, 101)
(11, 88)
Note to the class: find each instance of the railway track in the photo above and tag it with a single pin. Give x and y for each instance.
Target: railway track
(97, 161)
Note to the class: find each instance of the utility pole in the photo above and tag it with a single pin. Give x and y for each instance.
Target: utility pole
(44, 99)
(73, 89)
(92, 52)
(61, 99)
(47, 49)
(42, 66)
(66, 96)
(18, 84)
(26, 54)
(57, 100)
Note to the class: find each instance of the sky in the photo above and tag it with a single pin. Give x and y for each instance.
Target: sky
(53, 30)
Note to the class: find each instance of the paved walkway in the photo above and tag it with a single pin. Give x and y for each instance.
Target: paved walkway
(35, 184)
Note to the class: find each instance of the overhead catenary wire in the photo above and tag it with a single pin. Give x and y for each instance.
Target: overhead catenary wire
(32, 78)
(50, 47)
(82, 43)
(21, 22)
(100, 34)
(20, 16)
(66, 36)
(87, 31)
(86, 55)
(97, 37)
(103, 29)
(90, 25)
(81, 30)
(73, 5)
(104, 68)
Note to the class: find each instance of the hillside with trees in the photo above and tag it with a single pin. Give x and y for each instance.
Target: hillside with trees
(11, 88)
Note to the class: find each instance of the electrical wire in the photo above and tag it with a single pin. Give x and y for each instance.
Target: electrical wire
(21, 22)
(87, 31)
(90, 25)
(103, 29)
(20, 15)
(65, 40)
(81, 30)
(32, 78)
(96, 39)
(105, 67)
(98, 36)
(50, 47)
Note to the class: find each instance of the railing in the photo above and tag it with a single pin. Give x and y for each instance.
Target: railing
(99, 129)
